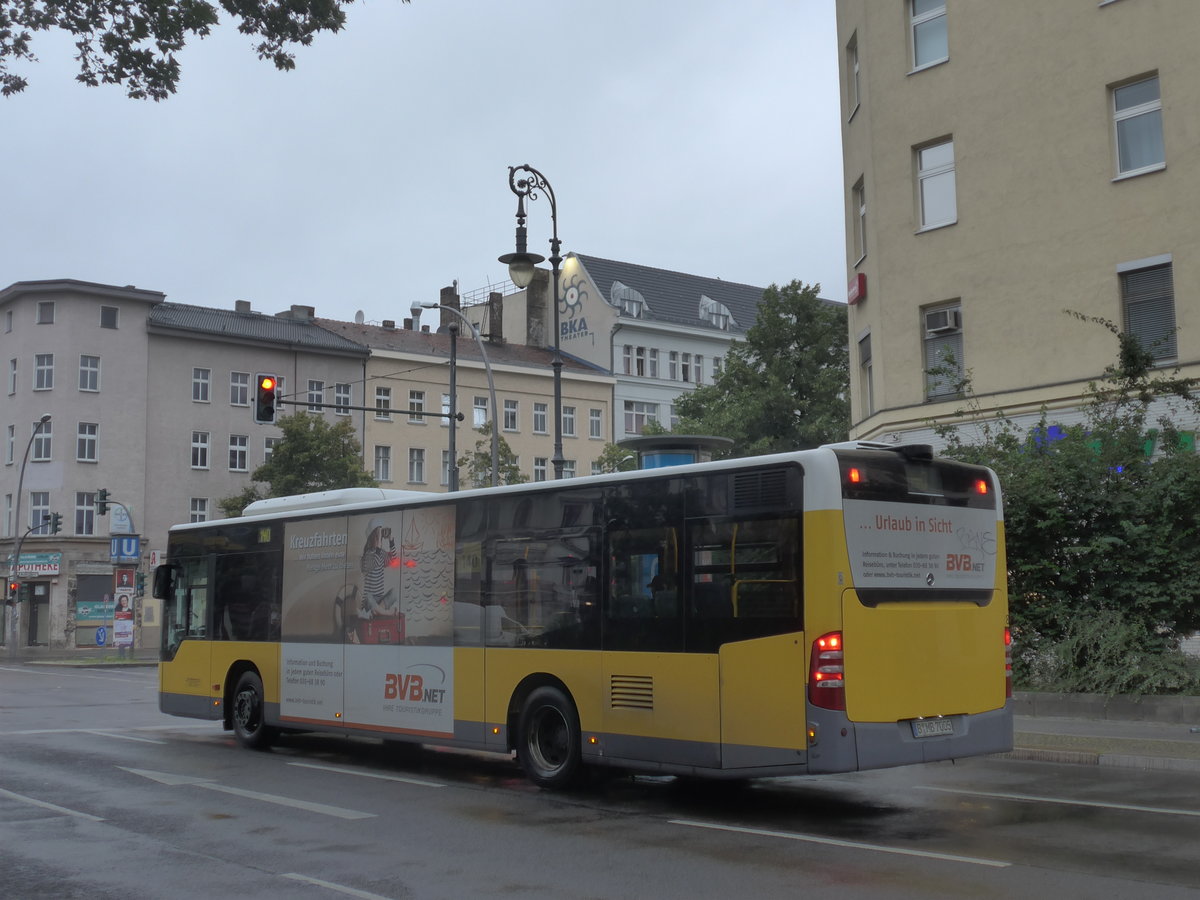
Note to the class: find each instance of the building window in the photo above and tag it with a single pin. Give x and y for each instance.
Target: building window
(269, 445)
(12, 376)
(858, 195)
(10, 443)
(935, 181)
(511, 417)
(568, 421)
(200, 382)
(637, 414)
(673, 365)
(416, 465)
(627, 357)
(1148, 306)
(568, 468)
(109, 316)
(597, 468)
(316, 395)
(43, 371)
(239, 388)
(198, 509)
(445, 467)
(929, 40)
(383, 463)
(1137, 117)
(43, 443)
(481, 411)
(652, 370)
(86, 442)
(943, 351)
(383, 403)
(540, 418)
(539, 468)
(39, 512)
(85, 513)
(852, 72)
(866, 376)
(89, 373)
(685, 367)
(45, 312)
(239, 445)
(445, 410)
(639, 361)
(199, 449)
(596, 423)
(416, 407)
(343, 397)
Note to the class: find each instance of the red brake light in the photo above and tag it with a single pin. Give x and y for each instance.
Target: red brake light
(1008, 687)
(981, 486)
(827, 672)
(854, 475)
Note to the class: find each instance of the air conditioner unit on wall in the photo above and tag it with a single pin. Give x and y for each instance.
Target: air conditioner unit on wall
(941, 321)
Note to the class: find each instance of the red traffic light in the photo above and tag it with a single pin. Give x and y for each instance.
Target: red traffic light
(265, 395)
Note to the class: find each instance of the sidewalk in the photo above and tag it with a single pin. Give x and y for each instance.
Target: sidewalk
(1084, 729)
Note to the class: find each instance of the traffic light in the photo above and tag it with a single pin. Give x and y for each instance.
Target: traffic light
(102, 502)
(265, 393)
(55, 523)
(11, 590)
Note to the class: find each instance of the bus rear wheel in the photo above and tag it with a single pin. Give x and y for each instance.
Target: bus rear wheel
(247, 713)
(548, 739)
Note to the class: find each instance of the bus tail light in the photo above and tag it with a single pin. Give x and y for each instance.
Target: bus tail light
(827, 672)
(1008, 662)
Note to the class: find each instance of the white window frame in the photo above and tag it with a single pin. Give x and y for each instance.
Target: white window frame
(239, 453)
(87, 442)
(596, 424)
(512, 415)
(568, 421)
(541, 418)
(200, 447)
(39, 512)
(1150, 111)
(383, 404)
(85, 513)
(239, 388)
(935, 175)
(43, 371)
(43, 443)
(479, 411)
(89, 372)
(920, 21)
(383, 462)
(853, 70)
(343, 398)
(539, 468)
(416, 465)
(416, 404)
(316, 395)
(198, 509)
(858, 201)
(1154, 279)
(201, 383)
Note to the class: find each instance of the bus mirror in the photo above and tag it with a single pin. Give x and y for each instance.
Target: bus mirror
(164, 582)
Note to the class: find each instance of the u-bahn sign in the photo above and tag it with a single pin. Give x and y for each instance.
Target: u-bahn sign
(125, 548)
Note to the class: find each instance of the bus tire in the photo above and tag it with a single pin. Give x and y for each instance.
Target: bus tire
(548, 746)
(248, 713)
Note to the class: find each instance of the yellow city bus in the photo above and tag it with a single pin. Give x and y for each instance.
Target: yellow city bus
(828, 610)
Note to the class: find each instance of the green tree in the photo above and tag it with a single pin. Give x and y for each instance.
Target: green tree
(476, 467)
(135, 42)
(786, 386)
(1102, 524)
(614, 458)
(312, 455)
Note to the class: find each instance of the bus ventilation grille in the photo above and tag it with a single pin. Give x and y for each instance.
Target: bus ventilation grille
(632, 692)
(759, 488)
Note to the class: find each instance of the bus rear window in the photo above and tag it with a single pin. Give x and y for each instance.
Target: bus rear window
(913, 478)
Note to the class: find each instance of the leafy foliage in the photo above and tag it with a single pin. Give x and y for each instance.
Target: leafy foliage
(135, 42)
(786, 386)
(614, 458)
(312, 456)
(1103, 537)
(476, 466)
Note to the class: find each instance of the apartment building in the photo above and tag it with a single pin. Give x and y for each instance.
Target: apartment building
(1010, 167)
(660, 333)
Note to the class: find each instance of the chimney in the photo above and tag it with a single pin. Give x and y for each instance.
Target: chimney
(389, 324)
(495, 303)
(242, 306)
(408, 324)
(539, 323)
(303, 313)
(449, 297)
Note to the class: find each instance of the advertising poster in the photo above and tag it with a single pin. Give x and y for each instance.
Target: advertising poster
(368, 621)
(905, 545)
(123, 581)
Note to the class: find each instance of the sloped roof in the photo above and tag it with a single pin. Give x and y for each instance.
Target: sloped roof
(251, 326)
(437, 344)
(673, 296)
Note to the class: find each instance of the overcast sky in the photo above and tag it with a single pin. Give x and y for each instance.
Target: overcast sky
(700, 136)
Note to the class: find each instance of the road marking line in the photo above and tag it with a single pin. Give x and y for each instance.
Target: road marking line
(340, 888)
(336, 811)
(50, 806)
(123, 737)
(180, 727)
(361, 774)
(29, 671)
(1031, 798)
(853, 845)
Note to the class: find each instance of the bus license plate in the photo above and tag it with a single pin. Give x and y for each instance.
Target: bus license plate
(923, 728)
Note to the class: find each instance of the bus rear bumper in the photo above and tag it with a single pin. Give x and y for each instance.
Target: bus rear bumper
(878, 745)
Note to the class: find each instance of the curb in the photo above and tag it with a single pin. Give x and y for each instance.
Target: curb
(1110, 760)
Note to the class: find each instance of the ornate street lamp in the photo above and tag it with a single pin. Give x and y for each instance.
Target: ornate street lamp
(521, 265)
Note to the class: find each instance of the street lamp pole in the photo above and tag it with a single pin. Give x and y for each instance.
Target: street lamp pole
(487, 366)
(20, 536)
(520, 269)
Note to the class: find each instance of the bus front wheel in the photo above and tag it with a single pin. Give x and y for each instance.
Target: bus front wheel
(248, 713)
(548, 739)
